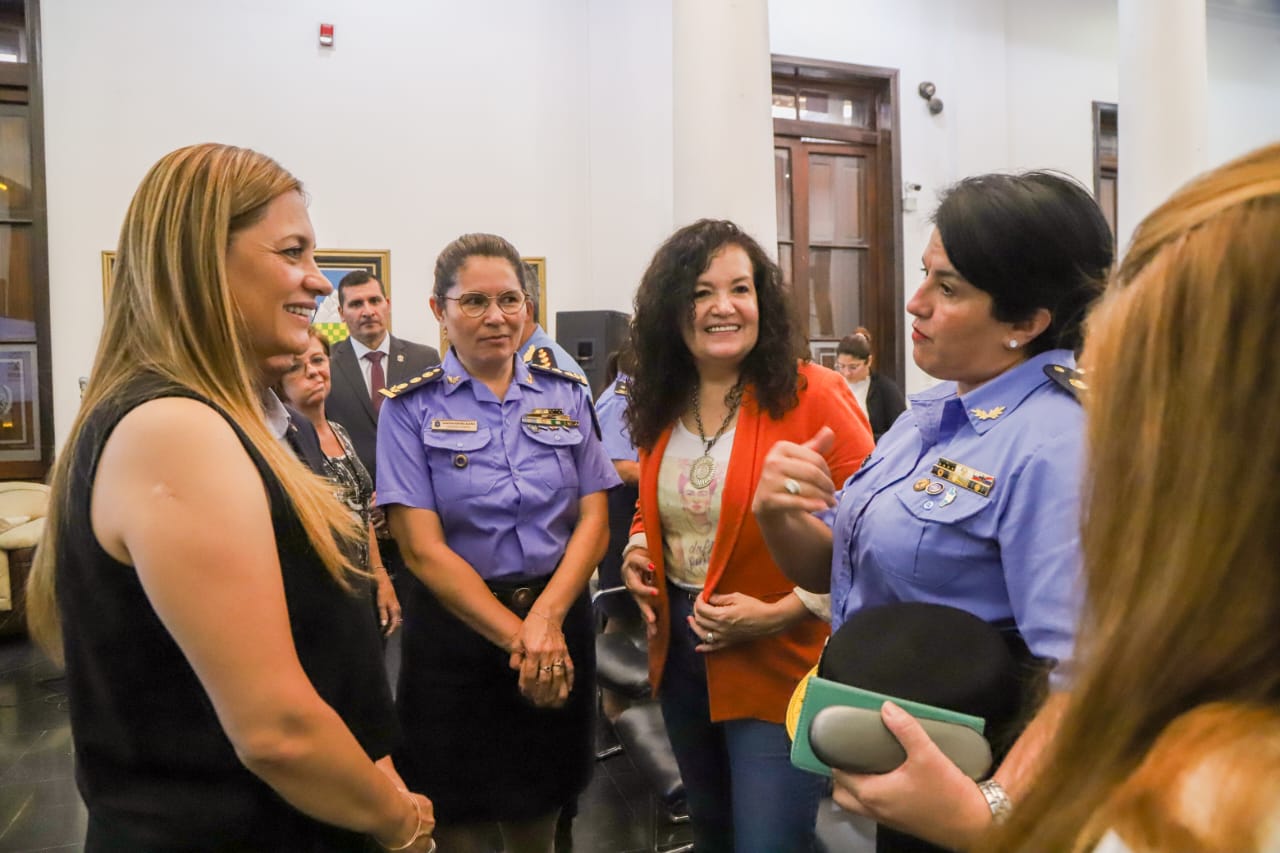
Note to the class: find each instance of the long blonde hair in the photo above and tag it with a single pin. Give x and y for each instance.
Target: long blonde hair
(1183, 494)
(170, 313)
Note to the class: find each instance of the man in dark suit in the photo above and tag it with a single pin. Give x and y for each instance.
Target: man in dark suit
(370, 359)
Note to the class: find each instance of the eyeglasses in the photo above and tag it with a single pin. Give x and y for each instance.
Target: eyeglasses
(850, 368)
(475, 304)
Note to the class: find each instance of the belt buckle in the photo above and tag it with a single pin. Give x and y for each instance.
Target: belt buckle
(522, 598)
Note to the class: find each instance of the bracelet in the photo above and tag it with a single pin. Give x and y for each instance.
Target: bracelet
(997, 800)
(418, 831)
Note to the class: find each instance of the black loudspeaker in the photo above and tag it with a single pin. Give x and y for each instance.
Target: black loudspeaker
(590, 336)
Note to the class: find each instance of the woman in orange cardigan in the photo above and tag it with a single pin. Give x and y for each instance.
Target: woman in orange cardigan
(718, 381)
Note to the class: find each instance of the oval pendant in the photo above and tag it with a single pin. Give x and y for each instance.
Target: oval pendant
(702, 472)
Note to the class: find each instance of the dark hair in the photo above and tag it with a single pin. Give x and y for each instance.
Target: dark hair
(454, 255)
(665, 377)
(355, 278)
(621, 360)
(314, 334)
(857, 344)
(1035, 240)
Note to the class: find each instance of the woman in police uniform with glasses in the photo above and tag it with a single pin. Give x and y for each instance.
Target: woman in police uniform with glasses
(493, 476)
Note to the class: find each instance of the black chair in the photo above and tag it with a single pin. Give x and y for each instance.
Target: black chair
(622, 666)
(643, 736)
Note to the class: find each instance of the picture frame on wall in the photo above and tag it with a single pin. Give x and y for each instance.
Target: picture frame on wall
(539, 265)
(333, 263)
(824, 353)
(19, 409)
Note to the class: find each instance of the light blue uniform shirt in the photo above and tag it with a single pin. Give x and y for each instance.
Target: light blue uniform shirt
(611, 409)
(507, 493)
(1011, 555)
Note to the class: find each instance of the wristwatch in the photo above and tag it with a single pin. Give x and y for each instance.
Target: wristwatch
(997, 800)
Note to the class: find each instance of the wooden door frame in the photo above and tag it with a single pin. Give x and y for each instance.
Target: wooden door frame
(886, 319)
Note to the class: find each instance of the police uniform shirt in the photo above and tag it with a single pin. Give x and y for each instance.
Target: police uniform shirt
(504, 476)
(972, 502)
(611, 409)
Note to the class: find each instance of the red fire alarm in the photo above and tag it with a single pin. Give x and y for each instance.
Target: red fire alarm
(326, 35)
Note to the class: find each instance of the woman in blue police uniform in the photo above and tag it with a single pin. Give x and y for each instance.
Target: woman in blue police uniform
(972, 499)
(493, 476)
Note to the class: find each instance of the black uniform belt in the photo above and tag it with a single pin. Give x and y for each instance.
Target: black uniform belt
(518, 595)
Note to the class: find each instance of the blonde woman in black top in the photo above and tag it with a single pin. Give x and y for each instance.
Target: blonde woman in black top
(225, 685)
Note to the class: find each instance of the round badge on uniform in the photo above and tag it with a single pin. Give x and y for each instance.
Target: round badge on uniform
(921, 484)
(460, 461)
(934, 488)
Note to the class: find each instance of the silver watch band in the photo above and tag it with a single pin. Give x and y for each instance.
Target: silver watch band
(997, 800)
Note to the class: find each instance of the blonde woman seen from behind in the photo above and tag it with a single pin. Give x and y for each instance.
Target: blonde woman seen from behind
(225, 684)
(1171, 741)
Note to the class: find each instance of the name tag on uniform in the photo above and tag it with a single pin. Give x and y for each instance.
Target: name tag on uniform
(539, 419)
(446, 425)
(964, 476)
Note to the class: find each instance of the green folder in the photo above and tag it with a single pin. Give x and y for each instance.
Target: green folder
(821, 693)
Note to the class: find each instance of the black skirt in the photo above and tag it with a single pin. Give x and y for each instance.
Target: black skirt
(472, 743)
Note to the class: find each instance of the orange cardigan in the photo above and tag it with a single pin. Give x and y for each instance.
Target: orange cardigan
(755, 678)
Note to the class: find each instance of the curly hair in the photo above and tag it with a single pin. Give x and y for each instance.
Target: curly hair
(666, 377)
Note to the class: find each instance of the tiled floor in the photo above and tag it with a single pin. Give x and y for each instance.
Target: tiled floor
(41, 810)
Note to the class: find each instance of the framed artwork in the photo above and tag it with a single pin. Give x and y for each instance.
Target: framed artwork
(824, 353)
(539, 266)
(19, 410)
(334, 263)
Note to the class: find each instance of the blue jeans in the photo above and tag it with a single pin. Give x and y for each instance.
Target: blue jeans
(744, 795)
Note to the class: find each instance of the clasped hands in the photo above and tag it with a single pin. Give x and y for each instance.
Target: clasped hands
(541, 656)
(723, 620)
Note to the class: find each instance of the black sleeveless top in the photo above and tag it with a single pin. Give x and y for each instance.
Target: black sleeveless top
(152, 762)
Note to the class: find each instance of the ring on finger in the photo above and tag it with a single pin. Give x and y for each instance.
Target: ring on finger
(711, 637)
(791, 486)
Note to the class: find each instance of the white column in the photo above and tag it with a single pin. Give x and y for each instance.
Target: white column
(722, 119)
(1163, 121)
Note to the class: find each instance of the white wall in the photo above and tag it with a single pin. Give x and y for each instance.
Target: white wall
(1018, 78)
(549, 122)
(546, 122)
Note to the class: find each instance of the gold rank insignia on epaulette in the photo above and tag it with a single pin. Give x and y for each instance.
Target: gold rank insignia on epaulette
(1071, 381)
(540, 419)
(543, 360)
(622, 389)
(431, 374)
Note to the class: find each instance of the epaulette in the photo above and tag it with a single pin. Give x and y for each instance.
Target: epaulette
(622, 388)
(543, 360)
(1071, 381)
(431, 374)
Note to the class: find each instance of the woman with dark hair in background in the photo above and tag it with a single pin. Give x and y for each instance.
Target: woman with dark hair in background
(305, 386)
(718, 380)
(494, 477)
(226, 686)
(972, 499)
(878, 395)
(1171, 742)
